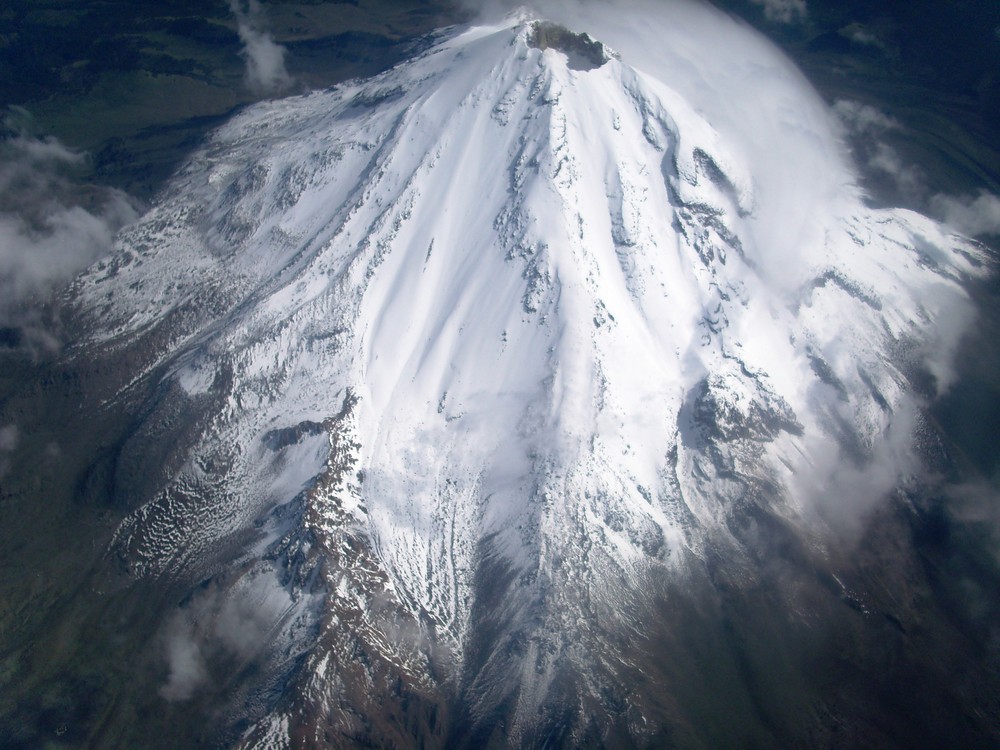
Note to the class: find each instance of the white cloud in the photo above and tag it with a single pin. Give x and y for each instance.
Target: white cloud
(265, 58)
(967, 214)
(783, 11)
(50, 229)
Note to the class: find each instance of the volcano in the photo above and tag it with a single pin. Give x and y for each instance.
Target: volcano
(493, 401)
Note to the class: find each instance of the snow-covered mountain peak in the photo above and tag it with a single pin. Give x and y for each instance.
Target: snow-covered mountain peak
(493, 338)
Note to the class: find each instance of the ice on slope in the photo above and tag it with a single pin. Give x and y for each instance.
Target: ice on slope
(542, 294)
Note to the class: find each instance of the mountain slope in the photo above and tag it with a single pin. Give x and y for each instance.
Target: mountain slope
(477, 361)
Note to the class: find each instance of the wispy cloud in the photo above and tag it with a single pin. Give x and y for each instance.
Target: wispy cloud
(217, 630)
(978, 503)
(9, 437)
(863, 119)
(862, 35)
(907, 178)
(265, 58)
(783, 11)
(867, 128)
(185, 662)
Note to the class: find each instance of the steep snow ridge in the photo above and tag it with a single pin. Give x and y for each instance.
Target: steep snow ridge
(534, 296)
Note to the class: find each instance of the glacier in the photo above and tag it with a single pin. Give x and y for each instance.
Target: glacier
(475, 356)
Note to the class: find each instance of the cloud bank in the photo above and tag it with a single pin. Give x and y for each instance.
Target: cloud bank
(265, 58)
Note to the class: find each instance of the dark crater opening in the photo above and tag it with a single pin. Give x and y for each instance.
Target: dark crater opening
(582, 52)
